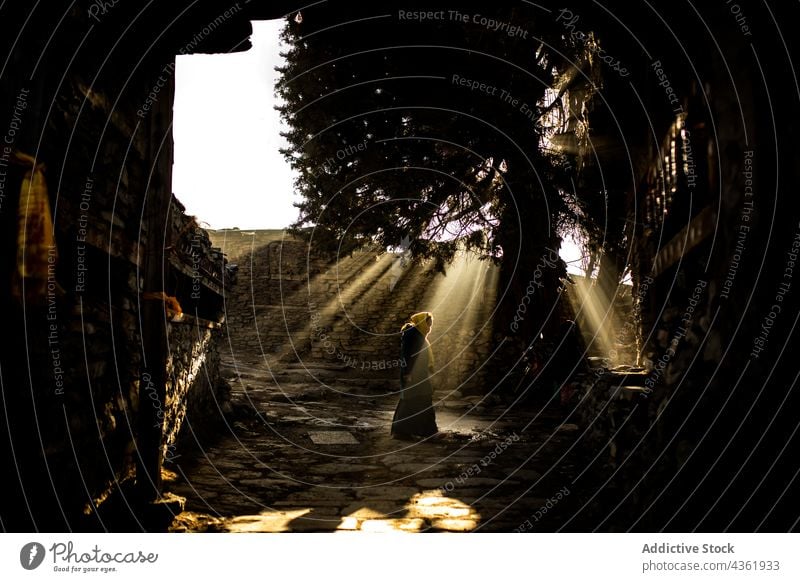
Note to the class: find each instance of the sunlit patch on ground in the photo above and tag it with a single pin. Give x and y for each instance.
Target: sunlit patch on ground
(266, 521)
(428, 510)
(442, 512)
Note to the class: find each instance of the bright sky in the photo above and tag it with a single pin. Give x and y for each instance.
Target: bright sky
(228, 170)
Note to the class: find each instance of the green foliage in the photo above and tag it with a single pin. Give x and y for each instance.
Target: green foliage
(390, 142)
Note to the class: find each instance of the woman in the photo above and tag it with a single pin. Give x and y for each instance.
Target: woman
(414, 416)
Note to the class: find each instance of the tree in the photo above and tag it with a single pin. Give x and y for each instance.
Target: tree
(436, 127)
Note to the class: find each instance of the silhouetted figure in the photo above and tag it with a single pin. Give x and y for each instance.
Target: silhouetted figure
(552, 362)
(567, 356)
(571, 353)
(414, 416)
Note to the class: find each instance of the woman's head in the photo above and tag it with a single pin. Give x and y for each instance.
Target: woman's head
(423, 321)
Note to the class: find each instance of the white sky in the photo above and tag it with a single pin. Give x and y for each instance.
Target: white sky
(228, 170)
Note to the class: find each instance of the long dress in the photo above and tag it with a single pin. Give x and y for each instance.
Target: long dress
(414, 415)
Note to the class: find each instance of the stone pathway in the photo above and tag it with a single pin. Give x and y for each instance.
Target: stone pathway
(307, 457)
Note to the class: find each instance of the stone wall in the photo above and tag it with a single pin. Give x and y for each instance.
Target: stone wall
(74, 385)
(197, 396)
(290, 306)
(74, 412)
(710, 252)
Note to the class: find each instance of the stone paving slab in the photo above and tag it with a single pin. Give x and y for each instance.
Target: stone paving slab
(330, 505)
(266, 483)
(455, 525)
(343, 468)
(264, 475)
(387, 492)
(392, 525)
(374, 509)
(416, 468)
